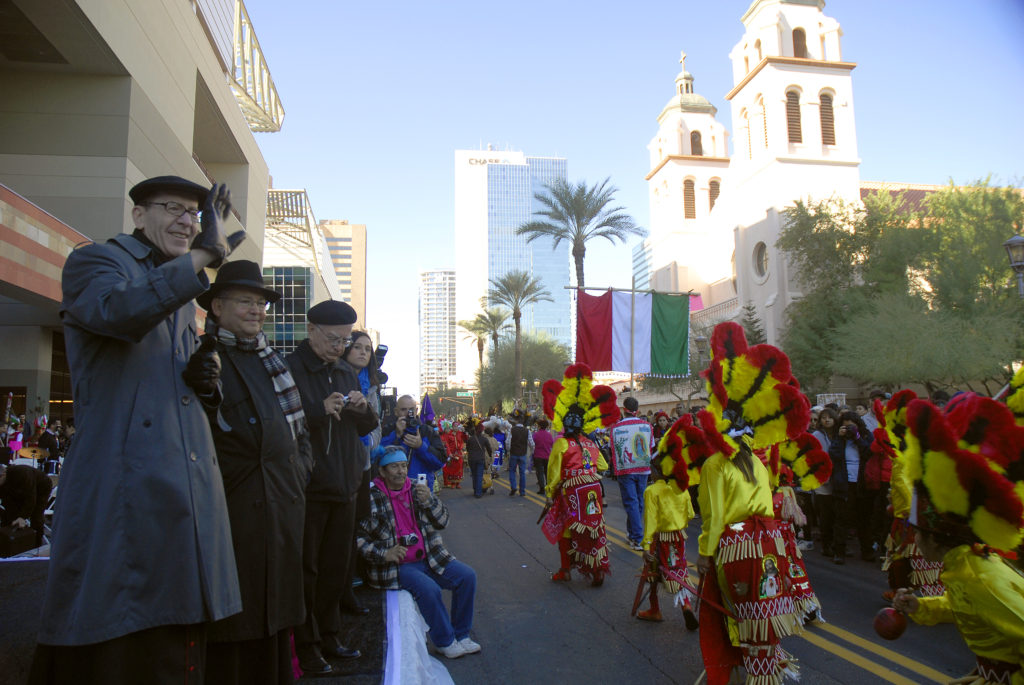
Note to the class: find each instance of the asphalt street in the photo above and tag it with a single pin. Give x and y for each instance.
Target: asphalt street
(536, 631)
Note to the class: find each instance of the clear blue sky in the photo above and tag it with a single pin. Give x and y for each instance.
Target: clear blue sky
(378, 95)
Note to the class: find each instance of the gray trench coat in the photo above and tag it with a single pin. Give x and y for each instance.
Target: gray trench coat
(141, 535)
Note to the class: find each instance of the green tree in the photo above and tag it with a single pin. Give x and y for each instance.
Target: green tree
(515, 290)
(890, 286)
(576, 213)
(752, 325)
(898, 340)
(966, 265)
(499, 379)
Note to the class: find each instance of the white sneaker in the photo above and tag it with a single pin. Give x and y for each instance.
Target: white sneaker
(805, 545)
(453, 651)
(470, 646)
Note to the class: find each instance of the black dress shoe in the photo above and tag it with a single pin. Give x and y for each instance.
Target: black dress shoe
(340, 651)
(316, 667)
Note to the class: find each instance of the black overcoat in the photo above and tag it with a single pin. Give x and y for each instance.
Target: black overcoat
(265, 471)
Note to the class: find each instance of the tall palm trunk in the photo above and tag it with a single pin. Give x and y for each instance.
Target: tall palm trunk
(578, 253)
(518, 315)
(480, 350)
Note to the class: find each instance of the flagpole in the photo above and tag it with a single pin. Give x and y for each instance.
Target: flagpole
(633, 290)
(632, 320)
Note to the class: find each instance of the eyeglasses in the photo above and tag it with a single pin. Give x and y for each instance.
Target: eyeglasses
(176, 209)
(335, 340)
(246, 303)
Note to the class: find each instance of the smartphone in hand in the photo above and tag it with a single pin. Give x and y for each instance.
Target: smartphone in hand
(421, 479)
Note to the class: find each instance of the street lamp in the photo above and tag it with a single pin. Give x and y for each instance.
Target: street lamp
(1015, 252)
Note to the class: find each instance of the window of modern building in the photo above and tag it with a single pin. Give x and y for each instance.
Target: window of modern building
(793, 117)
(696, 148)
(689, 200)
(828, 124)
(761, 260)
(714, 187)
(799, 43)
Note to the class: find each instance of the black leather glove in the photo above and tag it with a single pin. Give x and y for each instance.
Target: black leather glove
(213, 237)
(202, 373)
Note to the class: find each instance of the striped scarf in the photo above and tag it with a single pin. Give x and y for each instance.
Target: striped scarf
(284, 384)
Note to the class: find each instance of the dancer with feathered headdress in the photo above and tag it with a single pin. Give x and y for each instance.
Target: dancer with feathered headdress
(667, 512)
(966, 464)
(746, 596)
(802, 463)
(575, 515)
(904, 564)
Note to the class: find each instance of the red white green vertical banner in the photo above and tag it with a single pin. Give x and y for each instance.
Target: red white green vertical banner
(655, 326)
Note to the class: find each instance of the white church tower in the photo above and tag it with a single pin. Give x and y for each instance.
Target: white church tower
(689, 157)
(793, 138)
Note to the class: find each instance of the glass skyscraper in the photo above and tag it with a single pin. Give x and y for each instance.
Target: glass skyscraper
(494, 195)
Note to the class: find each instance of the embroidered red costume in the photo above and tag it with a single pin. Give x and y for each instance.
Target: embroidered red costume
(575, 514)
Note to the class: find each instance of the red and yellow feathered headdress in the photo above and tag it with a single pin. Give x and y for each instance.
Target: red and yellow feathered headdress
(683, 450)
(967, 466)
(577, 393)
(799, 462)
(752, 391)
(890, 436)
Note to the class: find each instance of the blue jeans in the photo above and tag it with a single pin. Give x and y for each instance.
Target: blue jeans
(631, 487)
(476, 469)
(517, 463)
(426, 587)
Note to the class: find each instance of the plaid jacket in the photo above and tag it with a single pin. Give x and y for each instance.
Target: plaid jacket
(376, 535)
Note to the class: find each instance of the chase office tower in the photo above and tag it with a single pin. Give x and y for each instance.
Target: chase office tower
(494, 195)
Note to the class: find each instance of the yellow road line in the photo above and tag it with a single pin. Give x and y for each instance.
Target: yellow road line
(856, 659)
(619, 538)
(895, 657)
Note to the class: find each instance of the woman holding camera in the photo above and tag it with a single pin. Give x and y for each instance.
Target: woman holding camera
(850, 451)
(403, 551)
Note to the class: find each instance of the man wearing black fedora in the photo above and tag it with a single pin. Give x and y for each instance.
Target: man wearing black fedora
(141, 558)
(264, 456)
(338, 415)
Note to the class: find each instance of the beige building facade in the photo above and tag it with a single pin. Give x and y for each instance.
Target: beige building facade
(347, 246)
(97, 96)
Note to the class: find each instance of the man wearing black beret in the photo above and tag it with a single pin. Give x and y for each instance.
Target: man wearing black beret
(141, 557)
(338, 414)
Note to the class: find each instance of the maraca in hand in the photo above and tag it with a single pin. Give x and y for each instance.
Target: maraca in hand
(889, 623)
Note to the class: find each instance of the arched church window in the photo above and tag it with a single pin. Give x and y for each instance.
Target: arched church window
(714, 187)
(799, 43)
(828, 124)
(695, 145)
(761, 260)
(689, 200)
(764, 121)
(757, 47)
(793, 117)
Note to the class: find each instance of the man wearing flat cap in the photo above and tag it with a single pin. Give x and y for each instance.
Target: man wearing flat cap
(264, 456)
(338, 414)
(141, 559)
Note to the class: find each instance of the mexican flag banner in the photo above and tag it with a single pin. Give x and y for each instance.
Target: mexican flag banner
(659, 329)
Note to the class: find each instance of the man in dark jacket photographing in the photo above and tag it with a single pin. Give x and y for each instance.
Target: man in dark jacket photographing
(338, 415)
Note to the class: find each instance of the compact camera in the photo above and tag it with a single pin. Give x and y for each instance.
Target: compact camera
(408, 540)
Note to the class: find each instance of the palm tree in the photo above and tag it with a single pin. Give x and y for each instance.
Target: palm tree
(494, 321)
(476, 334)
(515, 290)
(576, 213)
